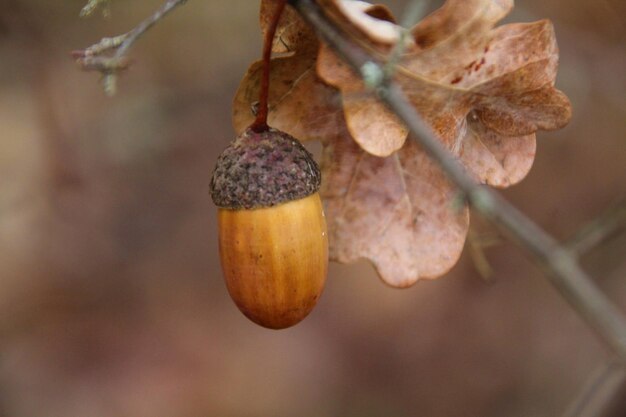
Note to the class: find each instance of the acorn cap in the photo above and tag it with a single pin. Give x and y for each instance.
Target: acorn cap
(263, 169)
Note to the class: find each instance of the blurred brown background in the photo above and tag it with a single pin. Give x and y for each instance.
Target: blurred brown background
(112, 303)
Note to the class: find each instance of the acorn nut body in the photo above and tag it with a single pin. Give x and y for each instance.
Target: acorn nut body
(272, 231)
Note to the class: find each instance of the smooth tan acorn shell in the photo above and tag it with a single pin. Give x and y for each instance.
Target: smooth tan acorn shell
(275, 259)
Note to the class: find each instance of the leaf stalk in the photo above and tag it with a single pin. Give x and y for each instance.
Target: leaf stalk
(260, 123)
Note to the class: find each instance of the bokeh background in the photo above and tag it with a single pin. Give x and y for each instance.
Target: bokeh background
(112, 303)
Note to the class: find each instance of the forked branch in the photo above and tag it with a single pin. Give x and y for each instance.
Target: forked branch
(95, 58)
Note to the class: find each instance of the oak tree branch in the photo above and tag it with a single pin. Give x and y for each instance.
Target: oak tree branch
(93, 58)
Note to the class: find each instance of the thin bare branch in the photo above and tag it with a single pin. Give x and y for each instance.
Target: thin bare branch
(135, 34)
(597, 394)
(564, 271)
(599, 229)
(105, 45)
(92, 58)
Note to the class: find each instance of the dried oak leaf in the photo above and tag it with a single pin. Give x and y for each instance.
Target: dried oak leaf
(397, 211)
(484, 91)
(385, 200)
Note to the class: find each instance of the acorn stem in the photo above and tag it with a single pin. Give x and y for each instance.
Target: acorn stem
(260, 123)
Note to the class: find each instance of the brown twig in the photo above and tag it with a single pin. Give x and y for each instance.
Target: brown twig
(260, 122)
(92, 58)
(564, 271)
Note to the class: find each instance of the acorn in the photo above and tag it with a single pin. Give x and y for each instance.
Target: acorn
(272, 232)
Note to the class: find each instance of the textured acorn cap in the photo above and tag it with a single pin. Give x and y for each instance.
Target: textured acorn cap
(263, 169)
